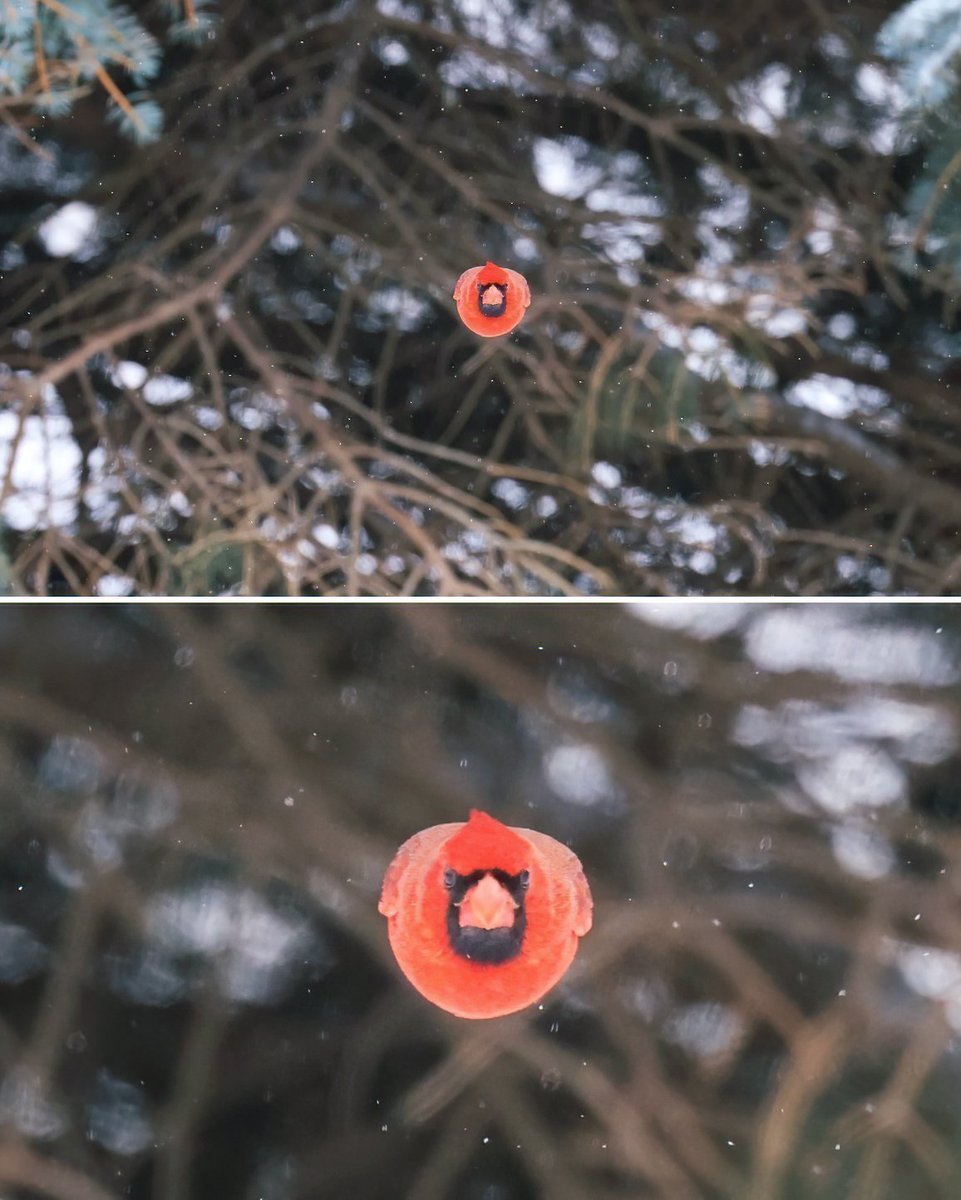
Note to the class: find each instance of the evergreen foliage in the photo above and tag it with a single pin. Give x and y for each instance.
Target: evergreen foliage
(53, 51)
(924, 40)
(924, 37)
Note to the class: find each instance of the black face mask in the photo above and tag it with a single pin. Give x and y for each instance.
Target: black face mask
(499, 307)
(487, 946)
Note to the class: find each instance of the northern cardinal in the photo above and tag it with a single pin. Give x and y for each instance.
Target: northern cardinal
(491, 300)
(484, 919)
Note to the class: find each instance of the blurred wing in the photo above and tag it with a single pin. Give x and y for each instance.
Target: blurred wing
(566, 862)
(584, 912)
(411, 854)
(461, 282)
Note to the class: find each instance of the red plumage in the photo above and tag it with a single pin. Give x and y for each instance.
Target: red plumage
(484, 919)
(491, 300)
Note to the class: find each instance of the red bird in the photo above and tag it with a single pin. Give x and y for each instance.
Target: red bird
(491, 300)
(484, 919)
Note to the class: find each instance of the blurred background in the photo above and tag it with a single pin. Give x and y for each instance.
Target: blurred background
(230, 360)
(197, 998)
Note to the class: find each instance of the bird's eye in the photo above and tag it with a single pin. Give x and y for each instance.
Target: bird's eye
(524, 879)
(450, 877)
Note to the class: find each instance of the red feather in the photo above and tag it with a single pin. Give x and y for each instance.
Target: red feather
(491, 300)
(555, 908)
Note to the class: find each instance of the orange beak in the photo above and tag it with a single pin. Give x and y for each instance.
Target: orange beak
(488, 905)
(491, 295)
